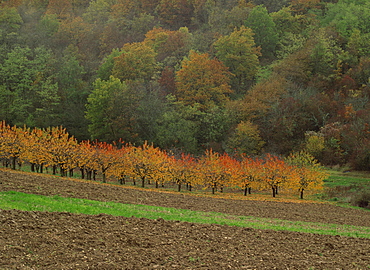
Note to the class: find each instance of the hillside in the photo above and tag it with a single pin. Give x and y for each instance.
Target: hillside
(252, 77)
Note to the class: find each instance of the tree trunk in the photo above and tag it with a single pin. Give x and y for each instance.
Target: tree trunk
(273, 192)
(13, 162)
(179, 187)
(245, 191)
(301, 193)
(143, 181)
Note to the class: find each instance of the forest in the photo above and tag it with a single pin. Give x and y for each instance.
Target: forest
(236, 76)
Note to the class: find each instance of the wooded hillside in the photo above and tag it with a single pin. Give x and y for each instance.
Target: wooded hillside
(268, 76)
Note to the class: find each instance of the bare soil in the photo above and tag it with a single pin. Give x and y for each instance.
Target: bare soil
(40, 240)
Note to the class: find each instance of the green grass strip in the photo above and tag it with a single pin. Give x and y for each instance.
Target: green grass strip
(31, 202)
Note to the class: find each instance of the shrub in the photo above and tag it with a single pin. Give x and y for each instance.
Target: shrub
(362, 200)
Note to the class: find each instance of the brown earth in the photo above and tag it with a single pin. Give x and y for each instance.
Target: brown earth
(39, 240)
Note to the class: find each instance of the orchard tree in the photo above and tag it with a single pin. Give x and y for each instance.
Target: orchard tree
(107, 156)
(147, 162)
(276, 174)
(60, 149)
(11, 144)
(213, 172)
(35, 149)
(311, 174)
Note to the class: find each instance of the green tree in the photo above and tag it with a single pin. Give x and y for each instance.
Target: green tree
(137, 61)
(98, 11)
(347, 15)
(239, 53)
(177, 128)
(73, 92)
(30, 91)
(106, 68)
(264, 28)
(245, 139)
(111, 111)
(10, 23)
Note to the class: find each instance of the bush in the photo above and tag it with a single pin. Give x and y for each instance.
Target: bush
(362, 200)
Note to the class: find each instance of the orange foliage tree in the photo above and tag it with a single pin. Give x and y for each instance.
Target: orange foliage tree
(106, 156)
(213, 172)
(311, 174)
(11, 144)
(60, 148)
(203, 80)
(181, 170)
(34, 149)
(276, 174)
(146, 162)
(122, 167)
(249, 174)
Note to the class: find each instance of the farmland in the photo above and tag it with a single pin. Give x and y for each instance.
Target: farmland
(61, 240)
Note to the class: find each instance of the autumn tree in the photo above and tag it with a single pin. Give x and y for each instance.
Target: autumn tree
(62, 8)
(239, 53)
(311, 174)
(60, 149)
(276, 173)
(122, 169)
(213, 172)
(175, 13)
(180, 170)
(251, 173)
(203, 80)
(106, 156)
(34, 149)
(170, 46)
(146, 161)
(11, 144)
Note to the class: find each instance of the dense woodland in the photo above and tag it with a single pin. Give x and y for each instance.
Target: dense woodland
(268, 76)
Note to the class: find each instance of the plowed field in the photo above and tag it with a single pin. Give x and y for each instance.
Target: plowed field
(39, 240)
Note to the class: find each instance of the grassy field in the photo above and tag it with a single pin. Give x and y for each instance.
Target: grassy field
(30, 202)
(347, 187)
